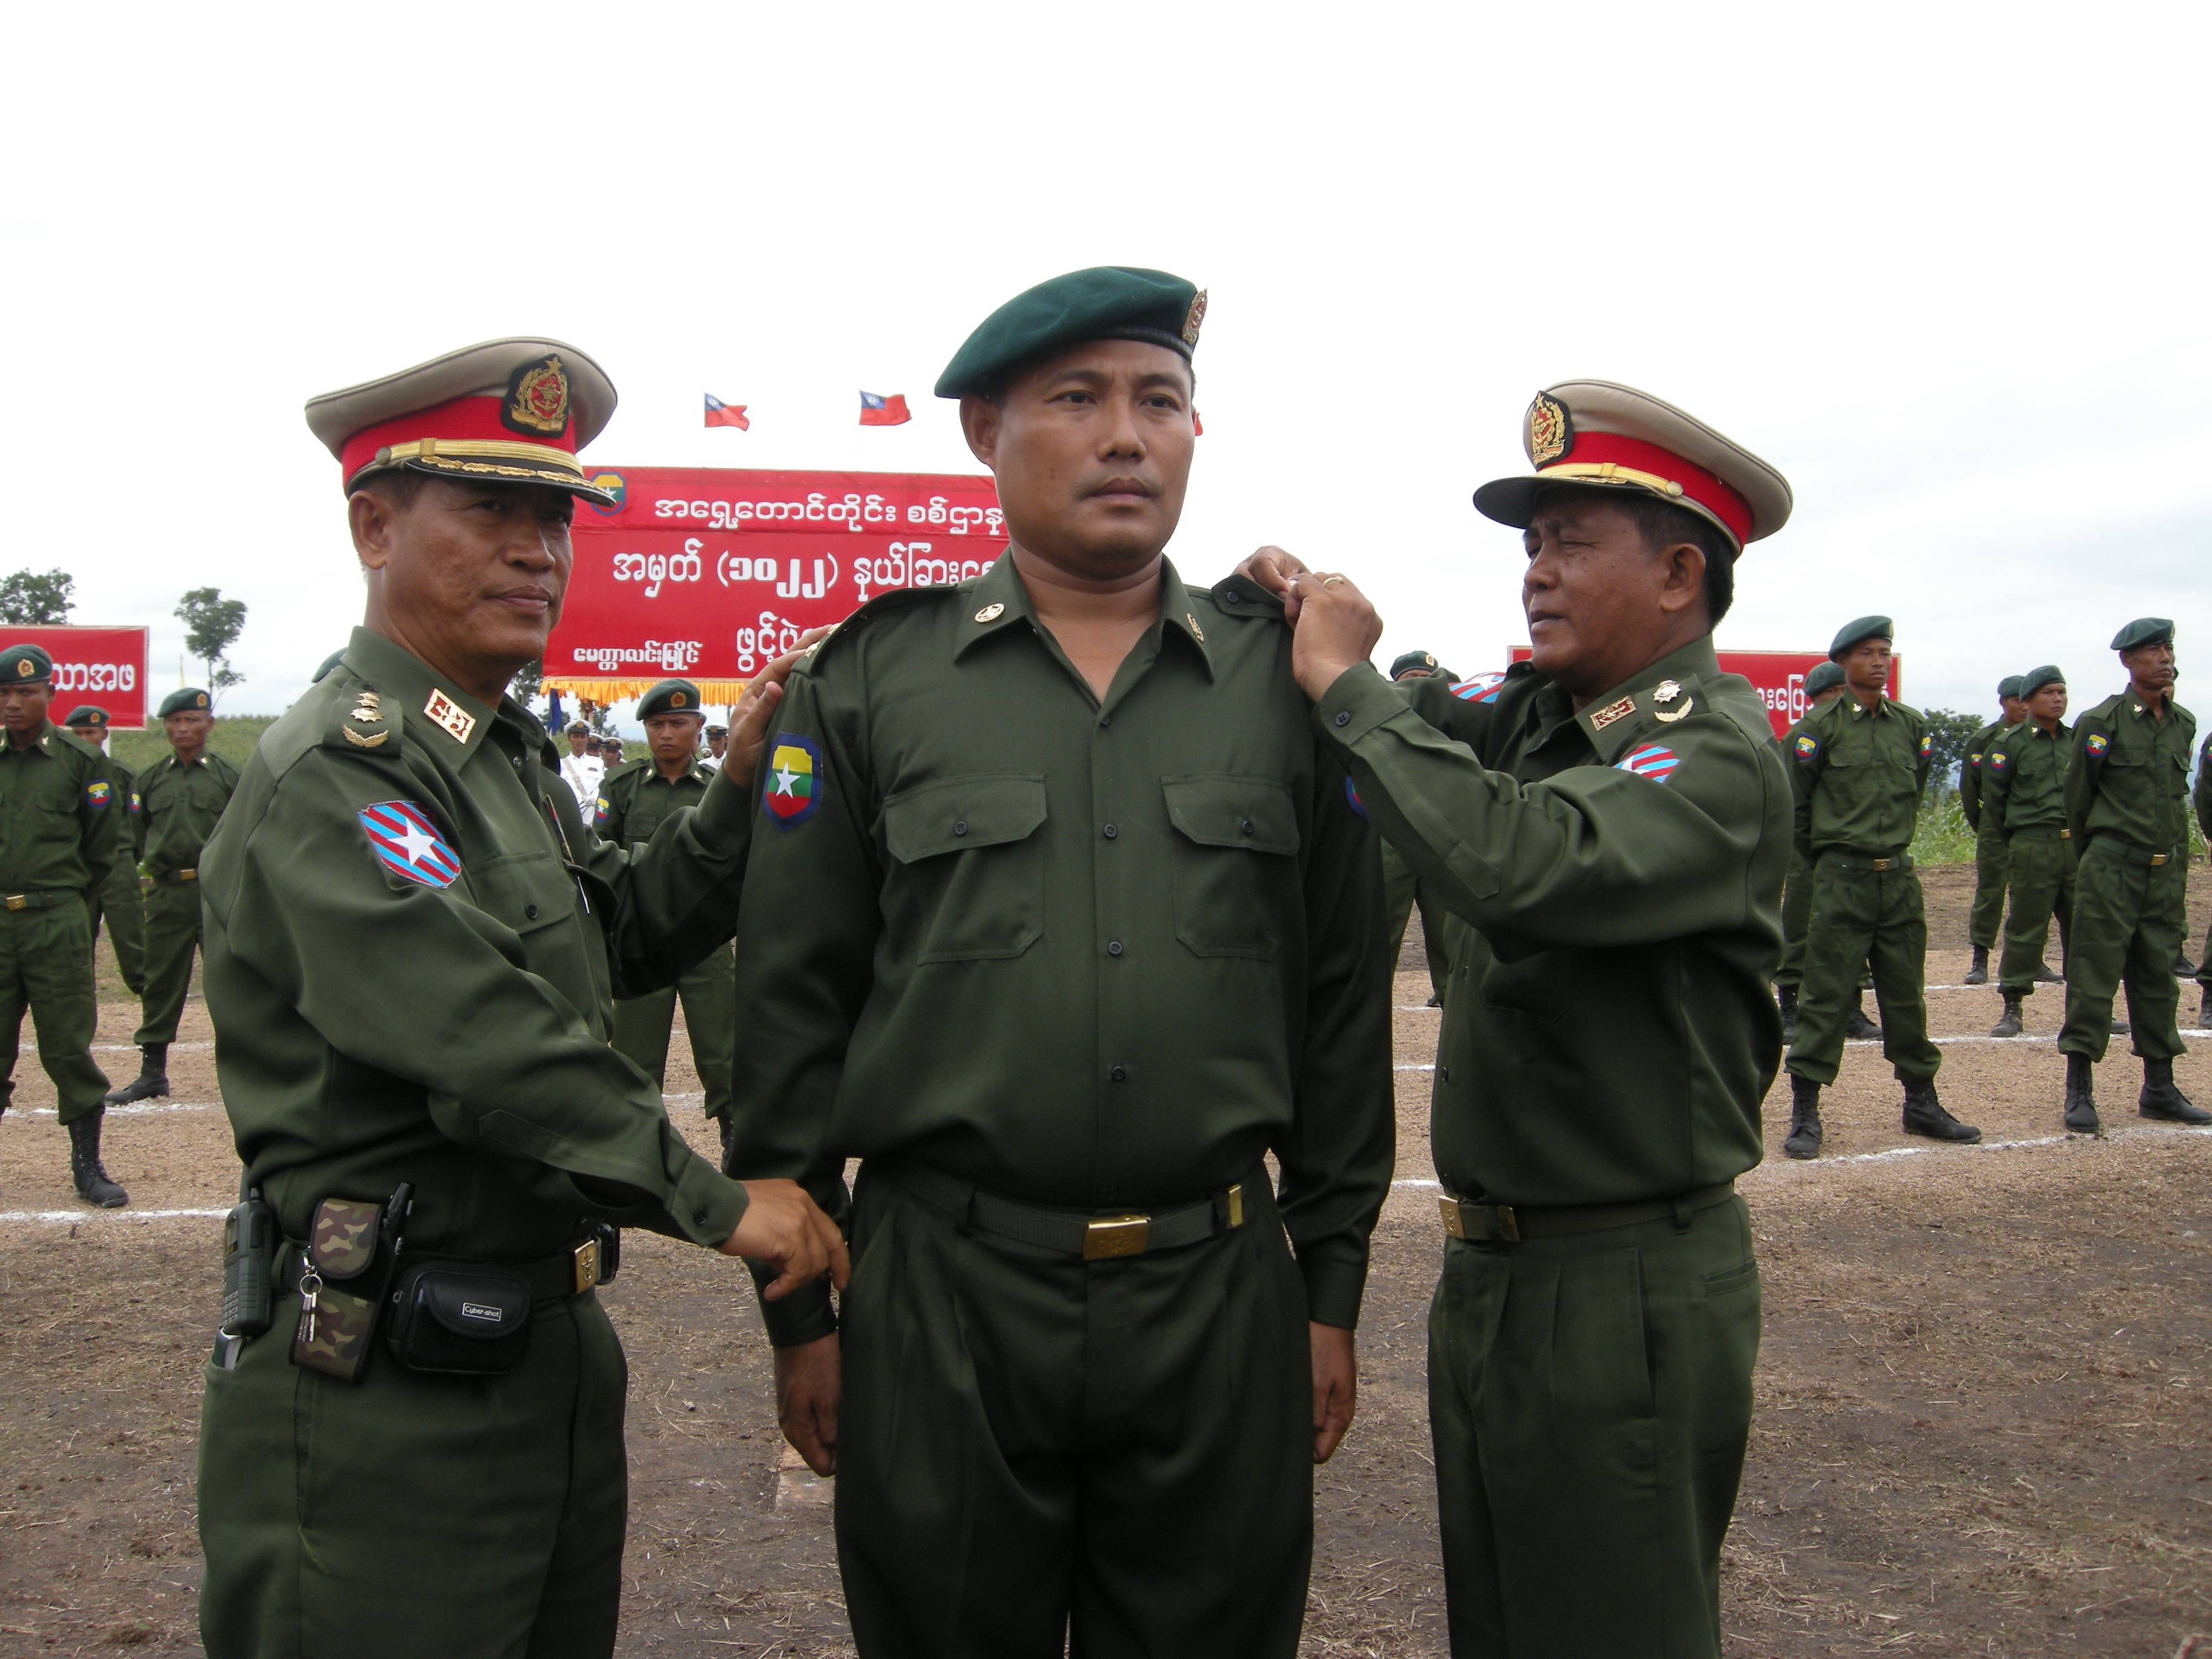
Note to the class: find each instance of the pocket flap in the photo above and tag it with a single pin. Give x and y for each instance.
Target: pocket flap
(959, 813)
(1254, 814)
(483, 1307)
(343, 1241)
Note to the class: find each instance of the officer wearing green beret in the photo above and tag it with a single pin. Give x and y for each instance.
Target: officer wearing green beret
(412, 946)
(178, 803)
(1860, 766)
(2024, 793)
(117, 898)
(1060, 919)
(1400, 890)
(59, 818)
(631, 806)
(1985, 921)
(2127, 794)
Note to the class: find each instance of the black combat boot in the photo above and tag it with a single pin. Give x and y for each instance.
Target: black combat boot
(2045, 976)
(2081, 1096)
(92, 1185)
(2183, 967)
(1804, 1138)
(2204, 1009)
(726, 1129)
(153, 1077)
(2008, 1023)
(2161, 1098)
(1925, 1115)
(1979, 973)
(1856, 1024)
(1787, 996)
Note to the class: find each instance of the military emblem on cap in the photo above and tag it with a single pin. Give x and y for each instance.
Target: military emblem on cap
(1551, 430)
(24, 668)
(186, 700)
(537, 397)
(87, 714)
(676, 700)
(1194, 319)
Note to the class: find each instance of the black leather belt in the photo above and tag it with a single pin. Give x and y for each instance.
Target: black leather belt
(1085, 1233)
(569, 1273)
(45, 901)
(1860, 861)
(2042, 832)
(1512, 1224)
(2133, 854)
(175, 876)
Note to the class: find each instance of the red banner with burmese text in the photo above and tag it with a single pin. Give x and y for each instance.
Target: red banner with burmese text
(1778, 677)
(708, 572)
(103, 666)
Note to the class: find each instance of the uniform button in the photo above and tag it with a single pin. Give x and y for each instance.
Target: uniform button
(699, 1216)
(1114, 947)
(1230, 595)
(1246, 826)
(1343, 717)
(961, 828)
(1105, 719)
(1119, 1074)
(1444, 1074)
(530, 912)
(1111, 832)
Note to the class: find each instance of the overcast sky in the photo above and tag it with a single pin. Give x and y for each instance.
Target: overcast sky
(1943, 265)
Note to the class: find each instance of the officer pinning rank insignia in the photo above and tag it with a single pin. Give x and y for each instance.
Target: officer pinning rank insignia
(1652, 760)
(1483, 688)
(97, 794)
(792, 794)
(408, 844)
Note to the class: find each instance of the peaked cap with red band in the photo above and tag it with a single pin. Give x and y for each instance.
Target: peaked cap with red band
(1608, 436)
(509, 411)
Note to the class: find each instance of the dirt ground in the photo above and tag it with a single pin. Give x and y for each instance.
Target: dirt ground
(1985, 1419)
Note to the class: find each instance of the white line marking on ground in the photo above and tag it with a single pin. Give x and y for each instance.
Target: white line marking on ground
(132, 1048)
(2133, 1131)
(140, 1108)
(114, 1215)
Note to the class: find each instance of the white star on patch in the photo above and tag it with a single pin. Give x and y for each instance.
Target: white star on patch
(416, 844)
(786, 782)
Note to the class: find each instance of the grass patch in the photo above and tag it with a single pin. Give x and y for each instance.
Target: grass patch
(234, 738)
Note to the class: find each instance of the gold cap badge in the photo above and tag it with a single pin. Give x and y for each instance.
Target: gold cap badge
(1551, 430)
(1194, 319)
(537, 397)
(24, 670)
(677, 700)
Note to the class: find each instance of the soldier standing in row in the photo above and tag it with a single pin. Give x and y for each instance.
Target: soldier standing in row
(60, 819)
(629, 808)
(1402, 893)
(412, 946)
(118, 899)
(1822, 686)
(1861, 765)
(2127, 804)
(2024, 793)
(1985, 922)
(179, 800)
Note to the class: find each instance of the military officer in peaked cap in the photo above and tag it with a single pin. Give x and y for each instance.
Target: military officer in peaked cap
(2127, 804)
(1990, 870)
(1610, 821)
(176, 806)
(117, 901)
(412, 945)
(59, 835)
(1859, 766)
(630, 807)
(2023, 791)
(1060, 919)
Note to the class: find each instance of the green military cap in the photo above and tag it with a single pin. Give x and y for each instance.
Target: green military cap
(1866, 628)
(87, 715)
(25, 665)
(2011, 686)
(2035, 679)
(1825, 676)
(2144, 630)
(187, 700)
(1409, 661)
(670, 697)
(330, 662)
(1106, 302)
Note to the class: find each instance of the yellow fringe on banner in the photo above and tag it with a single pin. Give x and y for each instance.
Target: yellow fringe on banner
(714, 694)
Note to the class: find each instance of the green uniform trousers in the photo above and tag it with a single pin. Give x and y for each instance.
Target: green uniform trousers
(1589, 1397)
(1796, 913)
(2041, 887)
(2127, 930)
(1401, 893)
(1992, 874)
(438, 1517)
(126, 912)
(1037, 1454)
(172, 933)
(45, 966)
(710, 991)
(1862, 917)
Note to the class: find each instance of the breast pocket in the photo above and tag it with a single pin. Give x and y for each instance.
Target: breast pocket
(1236, 868)
(969, 877)
(534, 895)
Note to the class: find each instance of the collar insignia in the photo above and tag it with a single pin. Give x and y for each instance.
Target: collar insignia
(1551, 430)
(1670, 715)
(1194, 319)
(1666, 691)
(455, 721)
(537, 398)
(1196, 632)
(990, 613)
(1607, 716)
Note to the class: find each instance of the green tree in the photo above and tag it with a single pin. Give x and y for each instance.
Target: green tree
(527, 681)
(1948, 734)
(212, 625)
(31, 598)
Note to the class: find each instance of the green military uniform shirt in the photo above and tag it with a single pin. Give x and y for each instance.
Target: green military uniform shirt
(2025, 782)
(131, 834)
(178, 807)
(2131, 775)
(1078, 954)
(1609, 1034)
(1971, 772)
(59, 810)
(1859, 778)
(412, 945)
(635, 800)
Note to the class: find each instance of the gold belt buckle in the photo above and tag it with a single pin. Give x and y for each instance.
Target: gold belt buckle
(1235, 1196)
(1454, 1217)
(188, 875)
(1116, 1236)
(587, 1265)
(2157, 859)
(17, 902)
(2065, 834)
(1880, 866)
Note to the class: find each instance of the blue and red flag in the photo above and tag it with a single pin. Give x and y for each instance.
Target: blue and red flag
(1652, 760)
(408, 844)
(884, 411)
(721, 414)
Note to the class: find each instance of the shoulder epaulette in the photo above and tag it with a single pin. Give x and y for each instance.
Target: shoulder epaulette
(1233, 596)
(359, 722)
(894, 599)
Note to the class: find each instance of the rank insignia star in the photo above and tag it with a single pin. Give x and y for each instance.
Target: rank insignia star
(406, 843)
(792, 794)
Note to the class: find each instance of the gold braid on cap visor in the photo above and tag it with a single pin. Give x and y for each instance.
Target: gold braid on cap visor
(1608, 472)
(460, 453)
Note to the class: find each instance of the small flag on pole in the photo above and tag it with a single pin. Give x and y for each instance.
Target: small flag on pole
(884, 411)
(721, 414)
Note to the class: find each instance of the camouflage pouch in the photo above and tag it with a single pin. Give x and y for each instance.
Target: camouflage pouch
(353, 1245)
(343, 1244)
(333, 1335)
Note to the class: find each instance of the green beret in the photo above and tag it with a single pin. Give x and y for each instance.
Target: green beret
(328, 664)
(86, 714)
(2036, 678)
(187, 700)
(1866, 628)
(670, 697)
(1107, 302)
(2143, 631)
(1410, 660)
(2010, 685)
(1825, 676)
(25, 665)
